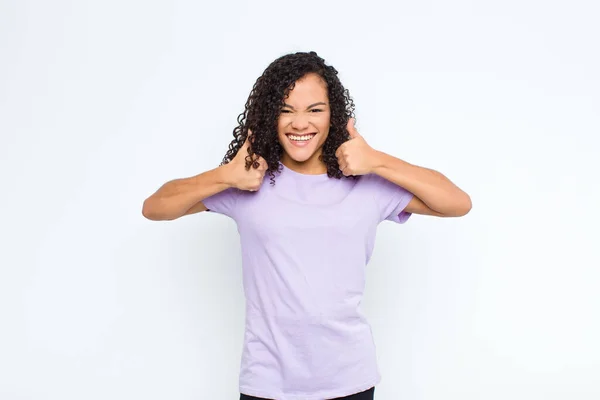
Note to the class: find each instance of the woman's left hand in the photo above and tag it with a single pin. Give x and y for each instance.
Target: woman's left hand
(355, 157)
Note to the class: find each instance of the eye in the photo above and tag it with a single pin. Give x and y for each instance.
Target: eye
(317, 110)
(285, 111)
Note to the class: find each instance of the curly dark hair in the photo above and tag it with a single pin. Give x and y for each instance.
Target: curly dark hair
(266, 101)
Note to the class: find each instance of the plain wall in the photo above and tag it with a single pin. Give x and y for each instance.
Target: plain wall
(103, 102)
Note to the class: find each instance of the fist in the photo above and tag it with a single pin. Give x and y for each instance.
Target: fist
(355, 156)
(247, 179)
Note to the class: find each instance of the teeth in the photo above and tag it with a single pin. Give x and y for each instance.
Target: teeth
(301, 138)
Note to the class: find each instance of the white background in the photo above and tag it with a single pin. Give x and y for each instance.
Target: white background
(102, 102)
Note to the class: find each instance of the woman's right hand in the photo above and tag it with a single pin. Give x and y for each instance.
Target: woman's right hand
(247, 179)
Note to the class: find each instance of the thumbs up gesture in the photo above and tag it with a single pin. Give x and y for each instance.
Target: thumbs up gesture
(355, 156)
(247, 179)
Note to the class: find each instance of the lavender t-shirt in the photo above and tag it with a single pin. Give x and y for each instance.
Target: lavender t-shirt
(305, 244)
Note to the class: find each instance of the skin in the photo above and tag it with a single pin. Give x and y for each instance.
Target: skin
(434, 193)
(306, 110)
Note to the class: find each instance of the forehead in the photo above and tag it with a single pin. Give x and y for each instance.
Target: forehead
(309, 88)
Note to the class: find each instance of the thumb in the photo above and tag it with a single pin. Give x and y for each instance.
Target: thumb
(247, 141)
(352, 129)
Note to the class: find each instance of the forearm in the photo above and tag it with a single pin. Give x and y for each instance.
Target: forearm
(173, 199)
(430, 186)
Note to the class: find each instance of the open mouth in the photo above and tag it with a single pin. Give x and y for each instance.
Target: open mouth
(300, 140)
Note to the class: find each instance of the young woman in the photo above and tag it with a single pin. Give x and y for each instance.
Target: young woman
(307, 231)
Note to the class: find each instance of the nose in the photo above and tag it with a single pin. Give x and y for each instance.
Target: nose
(299, 122)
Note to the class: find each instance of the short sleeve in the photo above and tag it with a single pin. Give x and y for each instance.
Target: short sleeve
(223, 202)
(391, 199)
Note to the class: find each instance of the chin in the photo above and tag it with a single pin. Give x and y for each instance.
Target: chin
(299, 156)
(300, 152)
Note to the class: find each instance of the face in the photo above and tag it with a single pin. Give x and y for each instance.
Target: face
(303, 124)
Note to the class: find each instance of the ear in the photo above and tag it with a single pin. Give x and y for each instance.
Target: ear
(351, 128)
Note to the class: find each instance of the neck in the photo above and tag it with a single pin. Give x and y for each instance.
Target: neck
(312, 166)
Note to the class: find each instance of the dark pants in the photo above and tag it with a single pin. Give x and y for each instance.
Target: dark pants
(366, 395)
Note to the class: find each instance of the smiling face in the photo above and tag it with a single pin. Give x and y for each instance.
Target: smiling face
(303, 125)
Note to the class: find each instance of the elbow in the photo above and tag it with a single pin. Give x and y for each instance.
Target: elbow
(464, 206)
(460, 207)
(147, 210)
(152, 211)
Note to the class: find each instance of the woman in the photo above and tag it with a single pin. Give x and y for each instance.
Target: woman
(307, 232)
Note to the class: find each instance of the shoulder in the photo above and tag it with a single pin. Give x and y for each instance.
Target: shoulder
(389, 198)
(373, 182)
(224, 202)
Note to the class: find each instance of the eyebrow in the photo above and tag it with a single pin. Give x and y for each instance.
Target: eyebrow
(311, 106)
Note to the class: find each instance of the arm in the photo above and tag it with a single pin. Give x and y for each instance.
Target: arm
(184, 196)
(434, 193)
